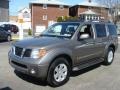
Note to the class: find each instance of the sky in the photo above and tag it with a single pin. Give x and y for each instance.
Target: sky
(16, 5)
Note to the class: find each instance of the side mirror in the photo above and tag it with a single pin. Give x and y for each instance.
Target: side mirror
(84, 36)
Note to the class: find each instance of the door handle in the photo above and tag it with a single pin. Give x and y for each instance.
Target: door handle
(89, 44)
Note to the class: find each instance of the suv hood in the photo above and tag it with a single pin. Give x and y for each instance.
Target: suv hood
(39, 42)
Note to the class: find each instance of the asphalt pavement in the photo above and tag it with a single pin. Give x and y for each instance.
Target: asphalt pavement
(98, 77)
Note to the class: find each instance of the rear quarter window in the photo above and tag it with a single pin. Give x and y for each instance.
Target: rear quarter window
(100, 30)
(112, 30)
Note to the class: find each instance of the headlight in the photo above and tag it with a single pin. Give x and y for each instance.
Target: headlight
(38, 53)
(12, 49)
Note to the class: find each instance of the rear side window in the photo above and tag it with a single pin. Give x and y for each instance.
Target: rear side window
(112, 30)
(100, 30)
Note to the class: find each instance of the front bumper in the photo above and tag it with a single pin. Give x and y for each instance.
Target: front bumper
(28, 66)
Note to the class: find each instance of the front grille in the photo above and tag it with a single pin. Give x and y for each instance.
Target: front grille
(18, 51)
(21, 52)
(27, 53)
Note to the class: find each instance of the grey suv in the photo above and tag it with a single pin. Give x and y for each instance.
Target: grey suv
(65, 47)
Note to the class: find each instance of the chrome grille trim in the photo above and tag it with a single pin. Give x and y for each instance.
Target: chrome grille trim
(21, 52)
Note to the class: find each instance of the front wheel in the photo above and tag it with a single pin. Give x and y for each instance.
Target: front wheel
(109, 57)
(59, 72)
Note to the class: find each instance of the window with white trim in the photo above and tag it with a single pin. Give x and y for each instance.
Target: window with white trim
(61, 7)
(44, 17)
(44, 6)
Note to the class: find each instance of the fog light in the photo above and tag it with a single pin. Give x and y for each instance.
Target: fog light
(32, 71)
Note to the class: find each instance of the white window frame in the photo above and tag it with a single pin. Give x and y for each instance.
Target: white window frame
(44, 6)
(61, 7)
(45, 17)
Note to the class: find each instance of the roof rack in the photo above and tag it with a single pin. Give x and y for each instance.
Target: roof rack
(100, 21)
(106, 21)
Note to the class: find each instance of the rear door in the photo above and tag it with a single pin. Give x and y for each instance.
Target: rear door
(101, 38)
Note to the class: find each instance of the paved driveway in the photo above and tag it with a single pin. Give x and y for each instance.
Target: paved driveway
(98, 77)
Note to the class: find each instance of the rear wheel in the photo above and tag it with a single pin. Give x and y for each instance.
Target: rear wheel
(109, 57)
(59, 72)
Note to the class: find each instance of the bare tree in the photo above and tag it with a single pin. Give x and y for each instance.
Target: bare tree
(113, 6)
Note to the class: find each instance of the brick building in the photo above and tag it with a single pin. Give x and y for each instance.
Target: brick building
(4, 10)
(45, 12)
(89, 10)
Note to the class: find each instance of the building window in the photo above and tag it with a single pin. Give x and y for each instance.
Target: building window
(44, 17)
(44, 6)
(26, 15)
(61, 7)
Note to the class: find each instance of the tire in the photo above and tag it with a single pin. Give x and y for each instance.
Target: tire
(109, 56)
(59, 72)
(8, 38)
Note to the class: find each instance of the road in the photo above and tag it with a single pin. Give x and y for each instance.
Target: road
(98, 77)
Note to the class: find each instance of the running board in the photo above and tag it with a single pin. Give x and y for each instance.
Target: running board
(83, 66)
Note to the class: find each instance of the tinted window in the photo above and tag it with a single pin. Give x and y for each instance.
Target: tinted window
(100, 30)
(112, 30)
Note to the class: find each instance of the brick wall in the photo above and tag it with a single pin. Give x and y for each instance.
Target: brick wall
(101, 11)
(52, 12)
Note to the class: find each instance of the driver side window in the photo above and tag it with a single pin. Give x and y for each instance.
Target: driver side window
(85, 32)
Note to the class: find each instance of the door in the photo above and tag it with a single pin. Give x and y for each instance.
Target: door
(101, 39)
(2, 34)
(85, 50)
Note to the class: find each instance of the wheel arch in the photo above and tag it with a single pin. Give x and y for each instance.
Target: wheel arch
(112, 46)
(66, 56)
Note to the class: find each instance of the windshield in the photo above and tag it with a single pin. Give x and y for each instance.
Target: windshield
(65, 30)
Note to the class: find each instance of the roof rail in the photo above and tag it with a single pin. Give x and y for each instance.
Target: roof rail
(100, 21)
(78, 20)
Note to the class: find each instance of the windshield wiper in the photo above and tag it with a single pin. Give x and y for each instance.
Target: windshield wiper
(58, 36)
(47, 35)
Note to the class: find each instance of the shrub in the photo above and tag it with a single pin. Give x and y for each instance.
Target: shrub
(30, 32)
(59, 19)
(66, 18)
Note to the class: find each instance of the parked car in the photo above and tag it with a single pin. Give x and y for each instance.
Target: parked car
(10, 28)
(4, 35)
(65, 47)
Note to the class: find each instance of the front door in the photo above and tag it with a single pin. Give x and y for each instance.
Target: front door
(84, 49)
